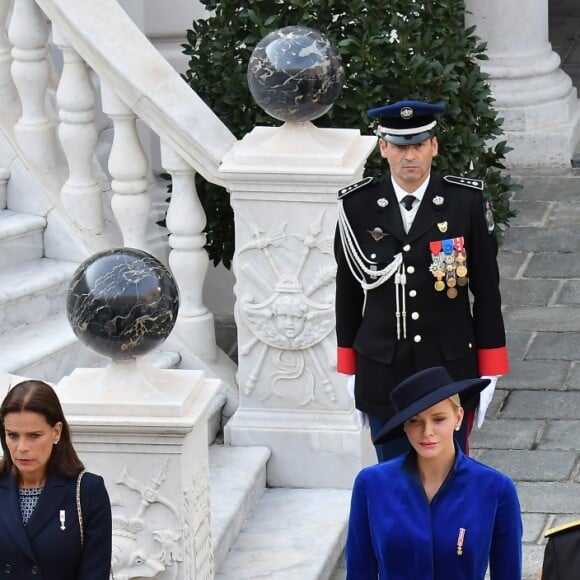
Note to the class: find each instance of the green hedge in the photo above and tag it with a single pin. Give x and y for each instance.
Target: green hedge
(391, 50)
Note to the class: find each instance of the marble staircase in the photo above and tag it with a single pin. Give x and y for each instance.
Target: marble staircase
(35, 337)
(274, 533)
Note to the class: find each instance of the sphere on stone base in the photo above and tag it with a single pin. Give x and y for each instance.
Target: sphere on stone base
(122, 303)
(295, 74)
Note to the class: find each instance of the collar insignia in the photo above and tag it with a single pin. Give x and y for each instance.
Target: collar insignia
(438, 200)
(382, 202)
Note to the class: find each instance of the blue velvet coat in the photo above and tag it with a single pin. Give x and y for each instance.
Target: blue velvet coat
(395, 534)
(41, 550)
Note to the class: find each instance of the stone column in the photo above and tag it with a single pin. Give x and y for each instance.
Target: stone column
(283, 183)
(145, 431)
(534, 96)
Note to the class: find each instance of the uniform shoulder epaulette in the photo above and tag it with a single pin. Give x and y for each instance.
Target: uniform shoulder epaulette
(562, 528)
(465, 181)
(354, 186)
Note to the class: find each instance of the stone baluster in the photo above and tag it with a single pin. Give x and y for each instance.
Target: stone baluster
(131, 203)
(188, 258)
(34, 131)
(4, 176)
(80, 194)
(7, 88)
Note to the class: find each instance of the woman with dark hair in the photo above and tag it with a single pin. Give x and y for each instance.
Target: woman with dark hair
(55, 518)
(433, 512)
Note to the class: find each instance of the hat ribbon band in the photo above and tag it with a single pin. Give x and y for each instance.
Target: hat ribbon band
(385, 131)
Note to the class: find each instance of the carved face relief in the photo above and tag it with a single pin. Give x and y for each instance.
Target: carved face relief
(286, 302)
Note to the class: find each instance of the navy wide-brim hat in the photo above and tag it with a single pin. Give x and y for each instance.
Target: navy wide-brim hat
(406, 122)
(421, 391)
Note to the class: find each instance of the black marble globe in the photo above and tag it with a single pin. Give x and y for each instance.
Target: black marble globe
(122, 303)
(295, 74)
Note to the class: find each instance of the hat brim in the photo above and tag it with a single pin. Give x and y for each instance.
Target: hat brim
(466, 389)
(407, 139)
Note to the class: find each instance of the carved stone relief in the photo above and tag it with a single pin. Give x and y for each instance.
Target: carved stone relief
(287, 305)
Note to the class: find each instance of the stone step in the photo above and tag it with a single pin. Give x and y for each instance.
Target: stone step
(37, 286)
(44, 349)
(293, 533)
(237, 482)
(21, 237)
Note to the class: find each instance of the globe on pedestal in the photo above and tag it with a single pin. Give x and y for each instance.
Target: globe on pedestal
(122, 303)
(295, 74)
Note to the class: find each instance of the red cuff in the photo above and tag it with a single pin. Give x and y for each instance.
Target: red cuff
(346, 360)
(493, 361)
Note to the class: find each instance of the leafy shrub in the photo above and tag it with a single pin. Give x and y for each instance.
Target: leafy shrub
(391, 50)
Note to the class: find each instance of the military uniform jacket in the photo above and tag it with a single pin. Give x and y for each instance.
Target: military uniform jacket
(41, 550)
(562, 553)
(440, 328)
(394, 532)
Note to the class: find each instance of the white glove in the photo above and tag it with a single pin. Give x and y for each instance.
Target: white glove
(485, 398)
(362, 418)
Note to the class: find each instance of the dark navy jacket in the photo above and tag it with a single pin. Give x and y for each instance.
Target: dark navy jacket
(441, 330)
(394, 533)
(41, 550)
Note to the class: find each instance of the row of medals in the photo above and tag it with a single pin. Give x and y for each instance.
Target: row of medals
(450, 271)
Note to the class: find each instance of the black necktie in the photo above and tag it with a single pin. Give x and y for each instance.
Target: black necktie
(408, 201)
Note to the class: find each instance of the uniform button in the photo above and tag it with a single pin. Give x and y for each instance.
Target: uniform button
(412, 293)
(417, 338)
(35, 570)
(411, 270)
(8, 569)
(406, 247)
(373, 256)
(470, 345)
(415, 316)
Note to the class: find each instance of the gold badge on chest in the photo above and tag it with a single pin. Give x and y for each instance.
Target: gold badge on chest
(442, 226)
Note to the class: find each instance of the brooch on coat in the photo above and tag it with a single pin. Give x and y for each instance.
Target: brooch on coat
(460, 540)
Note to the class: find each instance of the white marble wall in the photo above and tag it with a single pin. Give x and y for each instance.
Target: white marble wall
(165, 24)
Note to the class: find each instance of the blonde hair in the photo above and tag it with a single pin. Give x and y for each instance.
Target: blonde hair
(455, 401)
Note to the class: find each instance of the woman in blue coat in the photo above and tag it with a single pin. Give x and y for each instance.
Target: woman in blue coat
(433, 513)
(44, 533)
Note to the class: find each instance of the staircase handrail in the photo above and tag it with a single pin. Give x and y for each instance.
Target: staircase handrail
(116, 49)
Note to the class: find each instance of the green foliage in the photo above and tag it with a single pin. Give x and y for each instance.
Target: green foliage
(391, 50)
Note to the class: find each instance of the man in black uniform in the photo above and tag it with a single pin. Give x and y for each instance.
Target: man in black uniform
(408, 248)
(562, 553)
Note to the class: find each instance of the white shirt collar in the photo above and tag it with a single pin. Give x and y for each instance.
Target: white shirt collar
(418, 193)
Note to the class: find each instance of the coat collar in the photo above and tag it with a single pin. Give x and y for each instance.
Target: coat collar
(392, 213)
(433, 203)
(49, 503)
(45, 512)
(11, 516)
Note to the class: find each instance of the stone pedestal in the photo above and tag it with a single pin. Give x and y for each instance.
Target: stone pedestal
(534, 96)
(283, 183)
(145, 431)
